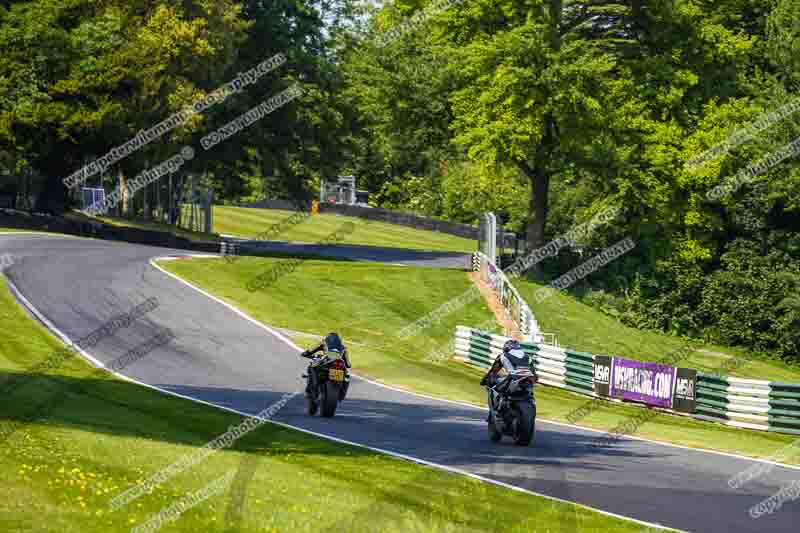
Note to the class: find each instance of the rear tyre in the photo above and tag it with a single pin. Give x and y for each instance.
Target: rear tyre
(311, 406)
(523, 434)
(311, 396)
(330, 399)
(494, 435)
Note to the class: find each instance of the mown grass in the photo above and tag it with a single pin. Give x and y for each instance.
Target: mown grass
(248, 222)
(369, 303)
(16, 230)
(251, 223)
(59, 470)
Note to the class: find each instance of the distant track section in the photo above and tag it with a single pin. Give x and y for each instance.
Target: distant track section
(362, 253)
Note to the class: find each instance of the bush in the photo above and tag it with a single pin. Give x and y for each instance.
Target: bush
(754, 301)
(748, 300)
(605, 302)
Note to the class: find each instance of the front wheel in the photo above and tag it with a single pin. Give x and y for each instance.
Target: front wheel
(526, 424)
(330, 399)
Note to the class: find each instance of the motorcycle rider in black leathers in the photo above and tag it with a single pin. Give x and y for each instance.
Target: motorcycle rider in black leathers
(512, 358)
(331, 343)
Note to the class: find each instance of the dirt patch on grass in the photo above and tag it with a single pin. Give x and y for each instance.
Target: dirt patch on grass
(510, 329)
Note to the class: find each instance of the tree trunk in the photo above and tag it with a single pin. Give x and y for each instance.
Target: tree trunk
(539, 177)
(539, 174)
(539, 205)
(126, 204)
(147, 206)
(52, 197)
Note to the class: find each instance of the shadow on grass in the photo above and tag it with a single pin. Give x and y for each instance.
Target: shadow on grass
(354, 252)
(561, 463)
(119, 408)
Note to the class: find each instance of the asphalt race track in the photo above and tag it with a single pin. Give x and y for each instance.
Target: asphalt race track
(221, 358)
(363, 253)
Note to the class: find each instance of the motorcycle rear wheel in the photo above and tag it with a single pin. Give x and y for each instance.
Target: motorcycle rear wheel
(526, 424)
(330, 399)
(311, 406)
(494, 435)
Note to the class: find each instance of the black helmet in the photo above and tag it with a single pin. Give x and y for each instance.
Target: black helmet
(333, 343)
(511, 345)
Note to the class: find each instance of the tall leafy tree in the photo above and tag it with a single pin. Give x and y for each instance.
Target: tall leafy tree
(578, 90)
(85, 76)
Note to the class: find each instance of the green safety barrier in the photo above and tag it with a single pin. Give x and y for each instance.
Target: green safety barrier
(751, 404)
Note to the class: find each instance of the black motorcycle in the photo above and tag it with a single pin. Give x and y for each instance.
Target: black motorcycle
(328, 381)
(512, 407)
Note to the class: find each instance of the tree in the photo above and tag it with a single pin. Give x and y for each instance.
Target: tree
(85, 76)
(580, 89)
(400, 89)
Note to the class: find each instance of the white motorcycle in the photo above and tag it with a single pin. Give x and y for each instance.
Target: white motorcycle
(512, 407)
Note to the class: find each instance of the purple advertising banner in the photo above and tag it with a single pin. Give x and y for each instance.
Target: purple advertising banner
(650, 383)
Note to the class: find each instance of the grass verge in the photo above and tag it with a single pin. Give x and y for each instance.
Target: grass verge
(247, 222)
(250, 223)
(370, 303)
(59, 470)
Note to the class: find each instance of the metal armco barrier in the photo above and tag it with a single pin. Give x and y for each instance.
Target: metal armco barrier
(743, 403)
(580, 371)
(555, 366)
(749, 403)
(513, 303)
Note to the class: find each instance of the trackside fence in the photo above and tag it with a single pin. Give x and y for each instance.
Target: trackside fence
(514, 305)
(555, 366)
(743, 403)
(749, 403)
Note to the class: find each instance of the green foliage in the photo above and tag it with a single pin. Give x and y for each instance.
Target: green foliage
(82, 77)
(543, 111)
(469, 189)
(460, 191)
(784, 38)
(417, 194)
(750, 300)
(753, 301)
(401, 93)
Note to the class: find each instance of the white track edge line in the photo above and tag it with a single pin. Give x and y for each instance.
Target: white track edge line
(463, 404)
(239, 312)
(42, 233)
(398, 455)
(454, 402)
(593, 430)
